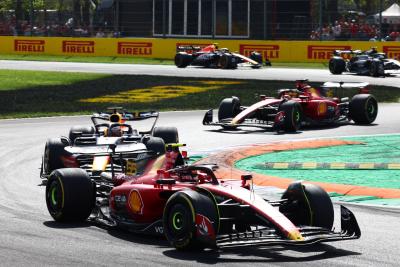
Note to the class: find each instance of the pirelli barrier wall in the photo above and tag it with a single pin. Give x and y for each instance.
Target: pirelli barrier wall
(276, 51)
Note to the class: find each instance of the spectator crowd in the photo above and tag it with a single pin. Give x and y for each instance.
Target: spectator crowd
(356, 29)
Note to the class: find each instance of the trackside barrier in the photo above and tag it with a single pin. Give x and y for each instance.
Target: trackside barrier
(276, 51)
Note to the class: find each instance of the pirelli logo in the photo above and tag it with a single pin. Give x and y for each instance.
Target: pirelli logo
(79, 47)
(392, 51)
(36, 46)
(324, 51)
(135, 48)
(329, 166)
(267, 51)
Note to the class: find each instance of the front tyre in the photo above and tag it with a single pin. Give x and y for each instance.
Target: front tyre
(292, 116)
(363, 109)
(190, 220)
(308, 204)
(182, 60)
(337, 65)
(70, 195)
(53, 151)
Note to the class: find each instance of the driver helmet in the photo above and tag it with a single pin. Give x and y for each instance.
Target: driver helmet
(115, 131)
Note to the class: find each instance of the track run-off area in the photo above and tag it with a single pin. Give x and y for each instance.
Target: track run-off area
(29, 236)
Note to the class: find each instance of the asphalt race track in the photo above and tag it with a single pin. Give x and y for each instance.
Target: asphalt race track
(314, 75)
(29, 236)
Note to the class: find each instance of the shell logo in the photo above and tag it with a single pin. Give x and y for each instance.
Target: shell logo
(322, 108)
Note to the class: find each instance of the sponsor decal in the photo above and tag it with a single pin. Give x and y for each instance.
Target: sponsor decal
(322, 108)
(204, 226)
(82, 47)
(37, 46)
(392, 51)
(267, 51)
(159, 229)
(324, 51)
(135, 48)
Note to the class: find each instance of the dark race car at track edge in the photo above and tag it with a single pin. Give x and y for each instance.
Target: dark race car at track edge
(369, 62)
(213, 57)
(301, 106)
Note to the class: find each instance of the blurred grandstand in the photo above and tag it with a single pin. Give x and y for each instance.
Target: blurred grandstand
(239, 19)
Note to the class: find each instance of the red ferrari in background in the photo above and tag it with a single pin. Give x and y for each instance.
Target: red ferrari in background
(301, 106)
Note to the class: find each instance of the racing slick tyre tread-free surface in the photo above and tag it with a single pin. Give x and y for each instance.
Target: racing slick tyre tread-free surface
(182, 60)
(79, 130)
(363, 108)
(179, 220)
(226, 62)
(375, 68)
(229, 108)
(293, 116)
(337, 65)
(156, 144)
(309, 204)
(168, 134)
(70, 195)
(53, 151)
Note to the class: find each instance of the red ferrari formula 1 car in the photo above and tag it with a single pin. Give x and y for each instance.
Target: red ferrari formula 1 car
(297, 107)
(190, 206)
(212, 57)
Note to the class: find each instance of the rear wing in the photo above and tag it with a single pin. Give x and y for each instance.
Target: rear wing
(346, 52)
(99, 118)
(188, 48)
(363, 87)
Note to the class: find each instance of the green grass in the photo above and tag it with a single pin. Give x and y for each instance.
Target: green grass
(32, 93)
(119, 60)
(138, 60)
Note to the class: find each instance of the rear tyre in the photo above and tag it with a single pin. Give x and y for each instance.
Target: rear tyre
(227, 61)
(156, 144)
(308, 204)
(376, 68)
(70, 195)
(337, 65)
(183, 213)
(182, 60)
(79, 130)
(168, 134)
(363, 108)
(293, 116)
(53, 151)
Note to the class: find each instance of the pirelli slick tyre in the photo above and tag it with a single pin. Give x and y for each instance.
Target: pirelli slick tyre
(376, 68)
(155, 144)
(308, 204)
(229, 108)
(293, 114)
(363, 109)
(337, 65)
(53, 151)
(227, 61)
(182, 60)
(168, 134)
(70, 195)
(79, 130)
(190, 220)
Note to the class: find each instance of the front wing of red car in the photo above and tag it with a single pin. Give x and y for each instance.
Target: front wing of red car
(311, 235)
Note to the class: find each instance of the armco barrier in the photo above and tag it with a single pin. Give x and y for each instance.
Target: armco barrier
(276, 51)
